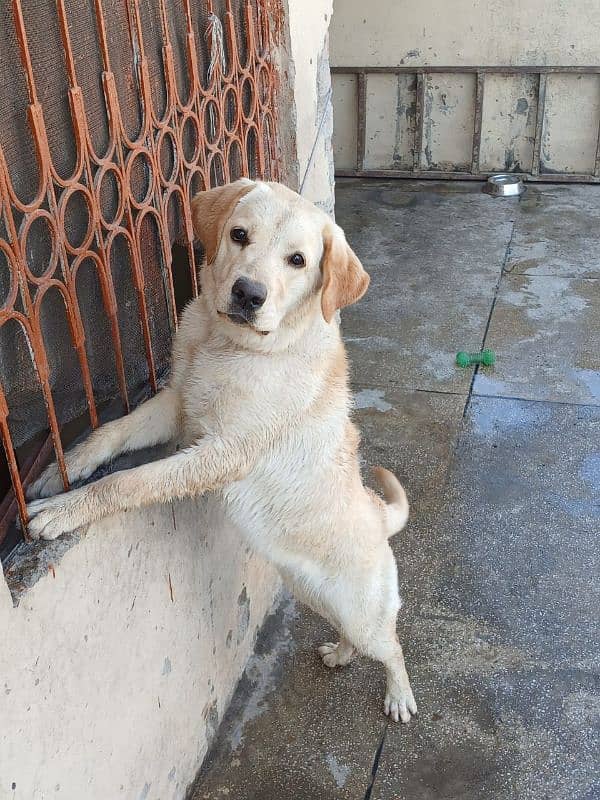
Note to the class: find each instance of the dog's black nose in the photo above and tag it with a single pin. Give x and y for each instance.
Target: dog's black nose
(248, 295)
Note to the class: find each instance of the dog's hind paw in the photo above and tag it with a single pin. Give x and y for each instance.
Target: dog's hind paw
(400, 704)
(336, 655)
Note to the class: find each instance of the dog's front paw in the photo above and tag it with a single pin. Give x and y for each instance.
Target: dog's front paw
(52, 516)
(48, 484)
(400, 703)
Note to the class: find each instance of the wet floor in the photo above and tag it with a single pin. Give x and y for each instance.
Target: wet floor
(499, 566)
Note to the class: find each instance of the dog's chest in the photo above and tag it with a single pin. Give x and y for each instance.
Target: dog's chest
(206, 392)
(221, 390)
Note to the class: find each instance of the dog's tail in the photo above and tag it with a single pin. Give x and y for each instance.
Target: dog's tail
(397, 505)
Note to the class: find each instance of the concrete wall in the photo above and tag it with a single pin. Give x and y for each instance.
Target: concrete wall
(309, 23)
(121, 648)
(463, 33)
(393, 32)
(122, 654)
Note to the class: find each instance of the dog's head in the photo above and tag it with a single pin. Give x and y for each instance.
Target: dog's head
(272, 259)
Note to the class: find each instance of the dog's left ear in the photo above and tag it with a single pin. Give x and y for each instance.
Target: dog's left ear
(211, 210)
(344, 277)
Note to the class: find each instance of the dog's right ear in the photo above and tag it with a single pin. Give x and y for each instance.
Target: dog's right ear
(212, 209)
(344, 277)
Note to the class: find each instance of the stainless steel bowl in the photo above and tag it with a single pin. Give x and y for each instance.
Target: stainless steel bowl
(504, 185)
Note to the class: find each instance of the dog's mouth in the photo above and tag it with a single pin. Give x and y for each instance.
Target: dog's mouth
(239, 319)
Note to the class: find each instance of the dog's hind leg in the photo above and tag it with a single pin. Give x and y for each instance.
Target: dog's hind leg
(381, 644)
(153, 422)
(399, 701)
(366, 616)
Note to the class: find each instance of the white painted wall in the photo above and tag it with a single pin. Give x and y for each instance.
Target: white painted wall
(465, 32)
(309, 24)
(119, 662)
(124, 649)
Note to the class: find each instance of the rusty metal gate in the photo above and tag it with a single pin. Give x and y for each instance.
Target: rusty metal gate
(410, 108)
(114, 113)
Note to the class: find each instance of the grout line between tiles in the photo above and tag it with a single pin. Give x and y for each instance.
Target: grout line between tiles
(489, 319)
(375, 766)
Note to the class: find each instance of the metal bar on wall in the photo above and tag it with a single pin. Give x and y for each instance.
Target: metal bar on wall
(479, 89)
(440, 175)
(419, 121)
(501, 70)
(361, 120)
(539, 125)
(597, 159)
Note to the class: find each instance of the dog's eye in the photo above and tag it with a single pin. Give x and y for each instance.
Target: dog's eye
(297, 260)
(239, 235)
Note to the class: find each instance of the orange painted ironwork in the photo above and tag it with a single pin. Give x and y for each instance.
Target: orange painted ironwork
(224, 127)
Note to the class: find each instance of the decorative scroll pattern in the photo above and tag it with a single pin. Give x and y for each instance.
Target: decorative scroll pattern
(224, 127)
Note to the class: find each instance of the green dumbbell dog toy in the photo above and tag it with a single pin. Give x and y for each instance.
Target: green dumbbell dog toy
(487, 358)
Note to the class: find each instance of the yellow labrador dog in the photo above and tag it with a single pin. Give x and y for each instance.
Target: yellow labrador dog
(259, 403)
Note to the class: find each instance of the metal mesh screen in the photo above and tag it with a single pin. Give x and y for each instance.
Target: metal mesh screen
(115, 112)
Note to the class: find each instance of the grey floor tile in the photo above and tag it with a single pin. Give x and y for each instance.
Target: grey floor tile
(501, 629)
(434, 257)
(557, 232)
(411, 433)
(546, 334)
(296, 729)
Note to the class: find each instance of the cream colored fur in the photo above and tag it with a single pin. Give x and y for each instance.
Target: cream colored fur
(261, 415)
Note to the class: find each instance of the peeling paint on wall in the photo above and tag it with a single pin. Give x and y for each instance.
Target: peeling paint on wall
(404, 141)
(381, 33)
(508, 123)
(145, 791)
(449, 119)
(345, 111)
(570, 134)
(210, 714)
(243, 615)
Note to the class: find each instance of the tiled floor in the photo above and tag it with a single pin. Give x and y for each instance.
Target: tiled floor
(499, 563)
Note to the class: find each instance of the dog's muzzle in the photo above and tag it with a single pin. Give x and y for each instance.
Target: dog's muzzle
(247, 296)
